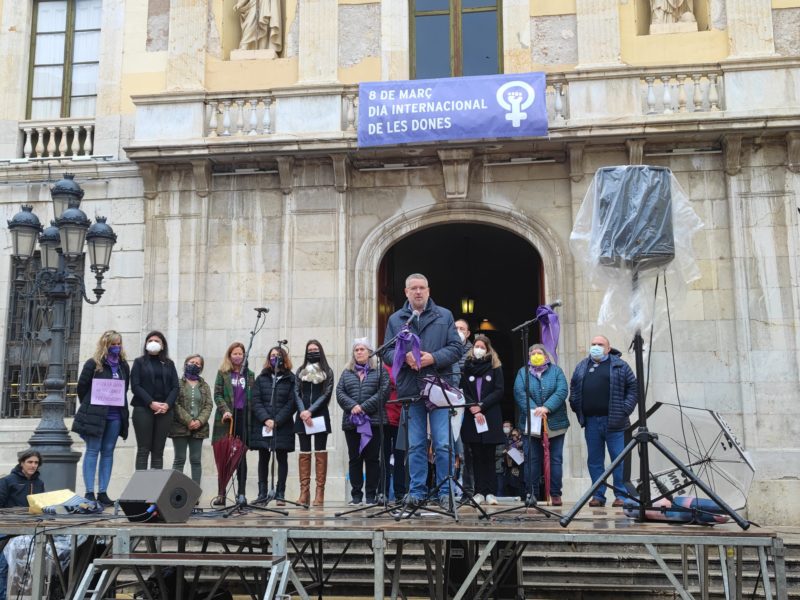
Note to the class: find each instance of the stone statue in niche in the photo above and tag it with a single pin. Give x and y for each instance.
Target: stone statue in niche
(672, 16)
(262, 30)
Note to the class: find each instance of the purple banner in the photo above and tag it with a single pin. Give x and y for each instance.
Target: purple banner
(456, 108)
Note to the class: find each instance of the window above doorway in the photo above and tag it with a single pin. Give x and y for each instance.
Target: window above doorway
(451, 38)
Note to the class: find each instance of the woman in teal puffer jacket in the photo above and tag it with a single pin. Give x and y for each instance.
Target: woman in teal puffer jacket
(547, 388)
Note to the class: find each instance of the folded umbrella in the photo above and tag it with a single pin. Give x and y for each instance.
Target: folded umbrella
(546, 459)
(228, 452)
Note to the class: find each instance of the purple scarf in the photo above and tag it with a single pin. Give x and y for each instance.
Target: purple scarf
(401, 347)
(362, 370)
(550, 327)
(363, 427)
(537, 371)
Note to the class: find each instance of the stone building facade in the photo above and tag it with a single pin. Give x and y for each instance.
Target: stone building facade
(238, 183)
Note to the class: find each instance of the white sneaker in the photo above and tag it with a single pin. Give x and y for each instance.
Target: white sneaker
(490, 499)
(479, 499)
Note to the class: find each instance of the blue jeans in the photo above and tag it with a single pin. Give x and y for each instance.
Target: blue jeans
(104, 447)
(598, 438)
(418, 449)
(534, 454)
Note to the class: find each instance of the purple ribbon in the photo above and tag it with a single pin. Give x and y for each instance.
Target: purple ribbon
(478, 386)
(363, 427)
(401, 347)
(550, 328)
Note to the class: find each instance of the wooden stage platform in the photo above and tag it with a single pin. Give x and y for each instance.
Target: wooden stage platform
(299, 546)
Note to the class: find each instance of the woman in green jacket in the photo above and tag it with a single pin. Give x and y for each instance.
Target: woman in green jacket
(191, 413)
(232, 390)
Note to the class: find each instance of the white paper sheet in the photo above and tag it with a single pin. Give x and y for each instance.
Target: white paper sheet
(317, 426)
(266, 431)
(516, 455)
(481, 428)
(536, 424)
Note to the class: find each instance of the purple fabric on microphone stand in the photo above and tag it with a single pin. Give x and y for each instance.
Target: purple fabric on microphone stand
(401, 346)
(364, 428)
(551, 329)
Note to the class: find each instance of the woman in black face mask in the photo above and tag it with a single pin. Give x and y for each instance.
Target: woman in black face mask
(312, 395)
(192, 411)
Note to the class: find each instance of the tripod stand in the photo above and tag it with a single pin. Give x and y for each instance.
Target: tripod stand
(450, 479)
(641, 441)
(530, 498)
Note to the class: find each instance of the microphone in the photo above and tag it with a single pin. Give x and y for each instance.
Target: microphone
(411, 318)
(261, 310)
(555, 304)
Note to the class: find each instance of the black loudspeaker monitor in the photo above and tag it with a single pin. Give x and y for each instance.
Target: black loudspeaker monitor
(632, 220)
(173, 493)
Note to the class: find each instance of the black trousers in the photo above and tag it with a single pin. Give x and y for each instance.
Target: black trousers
(483, 468)
(151, 436)
(282, 458)
(320, 440)
(367, 461)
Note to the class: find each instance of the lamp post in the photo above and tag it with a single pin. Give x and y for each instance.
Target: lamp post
(62, 247)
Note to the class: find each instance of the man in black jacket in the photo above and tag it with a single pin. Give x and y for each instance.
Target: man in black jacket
(14, 491)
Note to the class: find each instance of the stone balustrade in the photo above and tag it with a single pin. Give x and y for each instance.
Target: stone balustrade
(57, 138)
(253, 113)
(682, 91)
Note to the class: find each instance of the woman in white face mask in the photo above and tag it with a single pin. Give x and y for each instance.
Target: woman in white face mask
(482, 428)
(154, 382)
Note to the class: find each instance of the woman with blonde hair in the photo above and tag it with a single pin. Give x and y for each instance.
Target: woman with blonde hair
(192, 411)
(547, 390)
(102, 416)
(482, 428)
(232, 397)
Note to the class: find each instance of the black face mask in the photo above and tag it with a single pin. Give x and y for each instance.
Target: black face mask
(191, 371)
(313, 357)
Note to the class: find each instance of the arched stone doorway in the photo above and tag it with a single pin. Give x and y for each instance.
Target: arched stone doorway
(496, 271)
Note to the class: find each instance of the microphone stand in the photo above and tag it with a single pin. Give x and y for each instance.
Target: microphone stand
(530, 500)
(452, 510)
(242, 505)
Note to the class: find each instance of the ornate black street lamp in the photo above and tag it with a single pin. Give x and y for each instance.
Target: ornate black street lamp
(62, 248)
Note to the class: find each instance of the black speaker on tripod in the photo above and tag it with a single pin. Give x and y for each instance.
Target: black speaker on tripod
(632, 219)
(172, 493)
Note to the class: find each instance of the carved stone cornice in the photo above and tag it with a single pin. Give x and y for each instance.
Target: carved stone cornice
(201, 170)
(286, 173)
(149, 173)
(793, 151)
(732, 153)
(340, 164)
(455, 167)
(576, 160)
(635, 151)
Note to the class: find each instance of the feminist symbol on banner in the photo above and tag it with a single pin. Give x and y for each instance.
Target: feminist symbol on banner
(513, 102)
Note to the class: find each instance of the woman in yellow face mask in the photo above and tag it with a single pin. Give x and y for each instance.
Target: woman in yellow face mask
(541, 384)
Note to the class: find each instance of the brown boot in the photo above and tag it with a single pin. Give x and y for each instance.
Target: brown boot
(304, 463)
(321, 459)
